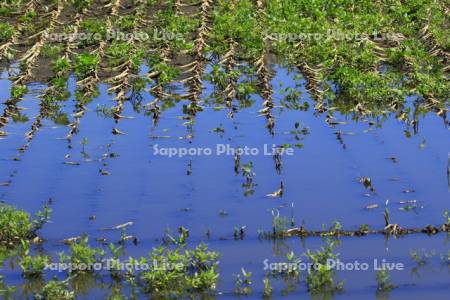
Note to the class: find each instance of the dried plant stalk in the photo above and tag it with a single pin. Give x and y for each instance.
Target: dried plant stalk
(265, 76)
(195, 81)
(88, 85)
(29, 59)
(122, 82)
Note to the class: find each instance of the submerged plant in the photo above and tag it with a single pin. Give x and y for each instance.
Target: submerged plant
(268, 290)
(243, 283)
(247, 172)
(6, 291)
(384, 281)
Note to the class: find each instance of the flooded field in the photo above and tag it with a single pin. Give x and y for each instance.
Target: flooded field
(100, 180)
(223, 158)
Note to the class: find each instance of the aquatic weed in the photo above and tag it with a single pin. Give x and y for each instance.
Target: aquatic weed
(320, 278)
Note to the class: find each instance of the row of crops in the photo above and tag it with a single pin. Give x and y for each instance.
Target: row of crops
(364, 58)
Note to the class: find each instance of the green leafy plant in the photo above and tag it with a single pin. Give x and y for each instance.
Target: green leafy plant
(82, 257)
(42, 217)
(179, 272)
(81, 5)
(94, 31)
(85, 65)
(6, 32)
(320, 278)
(61, 65)
(15, 225)
(32, 266)
(18, 91)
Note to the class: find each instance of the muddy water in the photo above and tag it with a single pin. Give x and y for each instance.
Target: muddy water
(203, 193)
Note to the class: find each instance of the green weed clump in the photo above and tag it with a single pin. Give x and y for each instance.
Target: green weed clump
(85, 65)
(82, 257)
(15, 225)
(18, 91)
(81, 5)
(95, 31)
(6, 32)
(320, 278)
(179, 272)
(32, 266)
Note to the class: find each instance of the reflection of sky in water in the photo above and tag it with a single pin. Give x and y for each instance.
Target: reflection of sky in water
(321, 180)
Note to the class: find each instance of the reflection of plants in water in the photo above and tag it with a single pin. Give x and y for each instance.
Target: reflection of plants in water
(218, 77)
(247, 172)
(243, 92)
(31, 286)
(447, 217)
(446, 258)
(83, 283)
(421, 256)
(116, 293)
(84, 142)
(268, 290)
(55, 289)
(292, 99)
(20, 118)
(104, 111)
(387, 218)
(384, 285)
(288, 271)
(279, 246)
(60, 118)
(243, 283)
(6, 291)
(291, 276)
